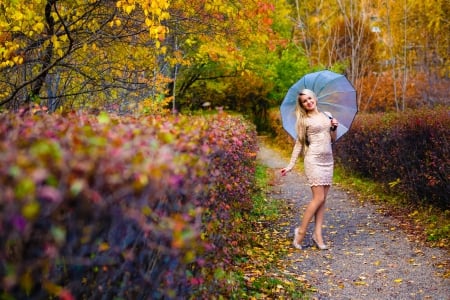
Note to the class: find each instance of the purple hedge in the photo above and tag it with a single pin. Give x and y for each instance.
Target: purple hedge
(105, 206)
(409, 152)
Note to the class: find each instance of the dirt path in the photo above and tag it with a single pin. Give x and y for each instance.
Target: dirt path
(370, 257)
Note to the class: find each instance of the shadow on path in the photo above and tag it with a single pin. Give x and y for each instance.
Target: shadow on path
(370, 257)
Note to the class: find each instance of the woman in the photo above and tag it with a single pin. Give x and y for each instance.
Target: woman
(316, 131)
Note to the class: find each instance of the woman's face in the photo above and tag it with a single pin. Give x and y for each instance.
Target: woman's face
(307, 102)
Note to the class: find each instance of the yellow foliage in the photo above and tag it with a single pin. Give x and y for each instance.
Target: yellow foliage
(38, 27)
(155, 106)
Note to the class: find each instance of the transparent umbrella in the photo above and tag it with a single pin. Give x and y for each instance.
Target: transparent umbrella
(335, 94)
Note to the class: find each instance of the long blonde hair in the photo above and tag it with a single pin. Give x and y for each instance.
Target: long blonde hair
(301, 115)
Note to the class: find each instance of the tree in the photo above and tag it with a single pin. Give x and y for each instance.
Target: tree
(97, 53)
(312, 29)
(214, 39)
(72, 52)
(353, 46)
(412, 51)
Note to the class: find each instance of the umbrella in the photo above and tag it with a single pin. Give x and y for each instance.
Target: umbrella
(335, 94)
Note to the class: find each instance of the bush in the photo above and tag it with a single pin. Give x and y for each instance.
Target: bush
(408, 152)
(106, 206)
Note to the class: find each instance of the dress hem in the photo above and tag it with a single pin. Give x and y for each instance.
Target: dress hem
(319, 184)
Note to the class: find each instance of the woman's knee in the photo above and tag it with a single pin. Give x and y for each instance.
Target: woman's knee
(319, 192)
(320, 200)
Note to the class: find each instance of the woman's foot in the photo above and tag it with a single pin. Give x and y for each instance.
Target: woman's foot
(321, 246)
(298, 238)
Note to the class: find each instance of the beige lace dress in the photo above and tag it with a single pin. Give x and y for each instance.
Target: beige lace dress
(318, 161)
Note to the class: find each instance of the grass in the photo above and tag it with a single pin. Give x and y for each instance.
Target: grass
(262, 206)
(258, 274)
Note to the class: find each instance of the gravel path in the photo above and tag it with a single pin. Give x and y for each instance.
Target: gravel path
(370, 257)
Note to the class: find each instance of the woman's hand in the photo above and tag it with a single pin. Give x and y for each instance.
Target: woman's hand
(334, 124)
(284, 171)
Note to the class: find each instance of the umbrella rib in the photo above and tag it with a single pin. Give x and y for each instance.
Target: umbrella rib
(335, 92)
(337, 76)
(327, 83)
(338, 106)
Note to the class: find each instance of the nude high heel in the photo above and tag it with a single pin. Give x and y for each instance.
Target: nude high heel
(298, 235)
(322, 246)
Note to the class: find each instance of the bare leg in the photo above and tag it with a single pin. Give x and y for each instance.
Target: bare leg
(319, 217)
(317, 201)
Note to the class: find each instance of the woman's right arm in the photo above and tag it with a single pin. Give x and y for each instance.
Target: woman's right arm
(295, 153)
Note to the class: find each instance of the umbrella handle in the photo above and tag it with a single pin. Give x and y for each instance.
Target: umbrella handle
(334, 127)
(328, 115)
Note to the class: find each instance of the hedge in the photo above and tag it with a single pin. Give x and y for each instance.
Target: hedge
(407, 152)
(104, 207)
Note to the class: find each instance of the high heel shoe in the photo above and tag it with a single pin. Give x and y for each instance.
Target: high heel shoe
(321, 246)
(297, 235)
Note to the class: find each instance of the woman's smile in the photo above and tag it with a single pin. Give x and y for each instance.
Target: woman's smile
(310, 104)
(307, 102)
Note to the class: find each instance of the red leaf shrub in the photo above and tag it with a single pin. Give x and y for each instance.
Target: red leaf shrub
(409, 151)
(107, 206)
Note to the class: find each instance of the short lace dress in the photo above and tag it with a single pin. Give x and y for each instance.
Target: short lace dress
(318, 161)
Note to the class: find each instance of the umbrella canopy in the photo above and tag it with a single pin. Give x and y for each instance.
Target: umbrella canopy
(335, 94)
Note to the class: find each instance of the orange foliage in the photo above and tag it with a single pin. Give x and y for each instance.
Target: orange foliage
(5, 36)
(378, 93)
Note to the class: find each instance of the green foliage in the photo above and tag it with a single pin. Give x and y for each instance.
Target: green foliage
(288, 66)
(439, 234)
(263, 207)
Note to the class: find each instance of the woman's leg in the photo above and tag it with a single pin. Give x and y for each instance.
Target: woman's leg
(319, 217)
(317, 201)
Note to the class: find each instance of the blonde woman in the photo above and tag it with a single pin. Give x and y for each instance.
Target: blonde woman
(316, 131)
